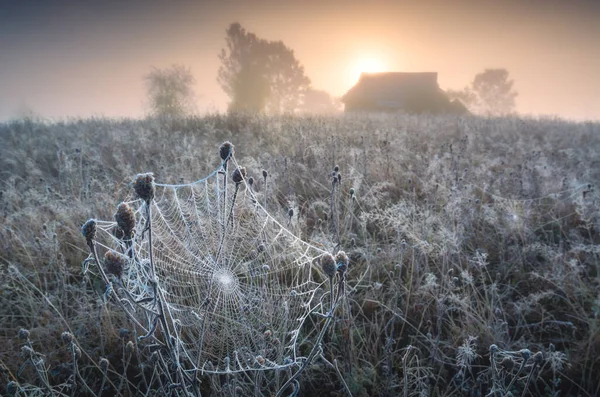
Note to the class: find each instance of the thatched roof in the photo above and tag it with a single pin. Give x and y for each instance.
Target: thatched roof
(390, 91)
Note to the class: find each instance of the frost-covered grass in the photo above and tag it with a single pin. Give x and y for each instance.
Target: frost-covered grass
(473, 243)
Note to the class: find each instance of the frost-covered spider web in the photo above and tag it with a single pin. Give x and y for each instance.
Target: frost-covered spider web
(235, 284)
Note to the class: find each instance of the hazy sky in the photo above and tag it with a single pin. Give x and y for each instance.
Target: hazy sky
(81, 58)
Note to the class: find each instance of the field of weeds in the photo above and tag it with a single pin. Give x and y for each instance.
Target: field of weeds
(473, 245)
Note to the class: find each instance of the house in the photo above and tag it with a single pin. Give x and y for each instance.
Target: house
(404, 92)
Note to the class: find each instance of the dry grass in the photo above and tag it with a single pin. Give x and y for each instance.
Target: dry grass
(470, 239)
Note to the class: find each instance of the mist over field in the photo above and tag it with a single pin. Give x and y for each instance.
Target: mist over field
(62, 58)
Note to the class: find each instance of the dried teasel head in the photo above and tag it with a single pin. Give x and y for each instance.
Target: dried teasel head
(226, 150)
(12, 388)
(125, 218)
(129, 347)
(104, 363)
(89, 230)
(507, 363)
(115, 263)
(238, 175)
(143, 184)
(328, 264)
(24, 334)
(67, 337)
(342, 261)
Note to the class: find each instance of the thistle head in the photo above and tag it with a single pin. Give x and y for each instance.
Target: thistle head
(328, 265)
(226, 150)
(143, 185)
(125, 218)
(115, 263)
(238, 175)
(89, 230)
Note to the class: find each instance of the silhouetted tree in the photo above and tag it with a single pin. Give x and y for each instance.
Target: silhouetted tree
(491, 93)
(260, 75)
(170, 92)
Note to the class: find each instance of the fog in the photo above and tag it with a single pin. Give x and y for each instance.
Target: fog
(66, 58)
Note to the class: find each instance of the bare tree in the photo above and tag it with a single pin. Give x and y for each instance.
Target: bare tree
(170, 91)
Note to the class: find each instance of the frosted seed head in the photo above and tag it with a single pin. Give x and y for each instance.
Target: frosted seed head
(526, 354)
(125, 218)
(342, 261)
(129, 347)
(89, 230)
(328, 265)
(143, 185)
(115, 263)
(67, 337)
(103, 364)
(250, 181)
(226, 150)
(238, 174)
(336, 168)
(507, 363)
(538, 358)
(351, 192)
(265, 174)
(12, 388)
(23, 334)
(291, 212)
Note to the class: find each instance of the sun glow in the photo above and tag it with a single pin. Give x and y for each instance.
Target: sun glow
(368, 65)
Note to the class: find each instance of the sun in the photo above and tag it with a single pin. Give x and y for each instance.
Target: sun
(368, 65)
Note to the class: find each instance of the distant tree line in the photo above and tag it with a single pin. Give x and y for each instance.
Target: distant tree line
(260, 75)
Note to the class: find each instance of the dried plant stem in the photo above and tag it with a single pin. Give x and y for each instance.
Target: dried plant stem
(315, 349)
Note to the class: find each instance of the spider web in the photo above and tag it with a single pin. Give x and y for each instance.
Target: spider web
(236, 285)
